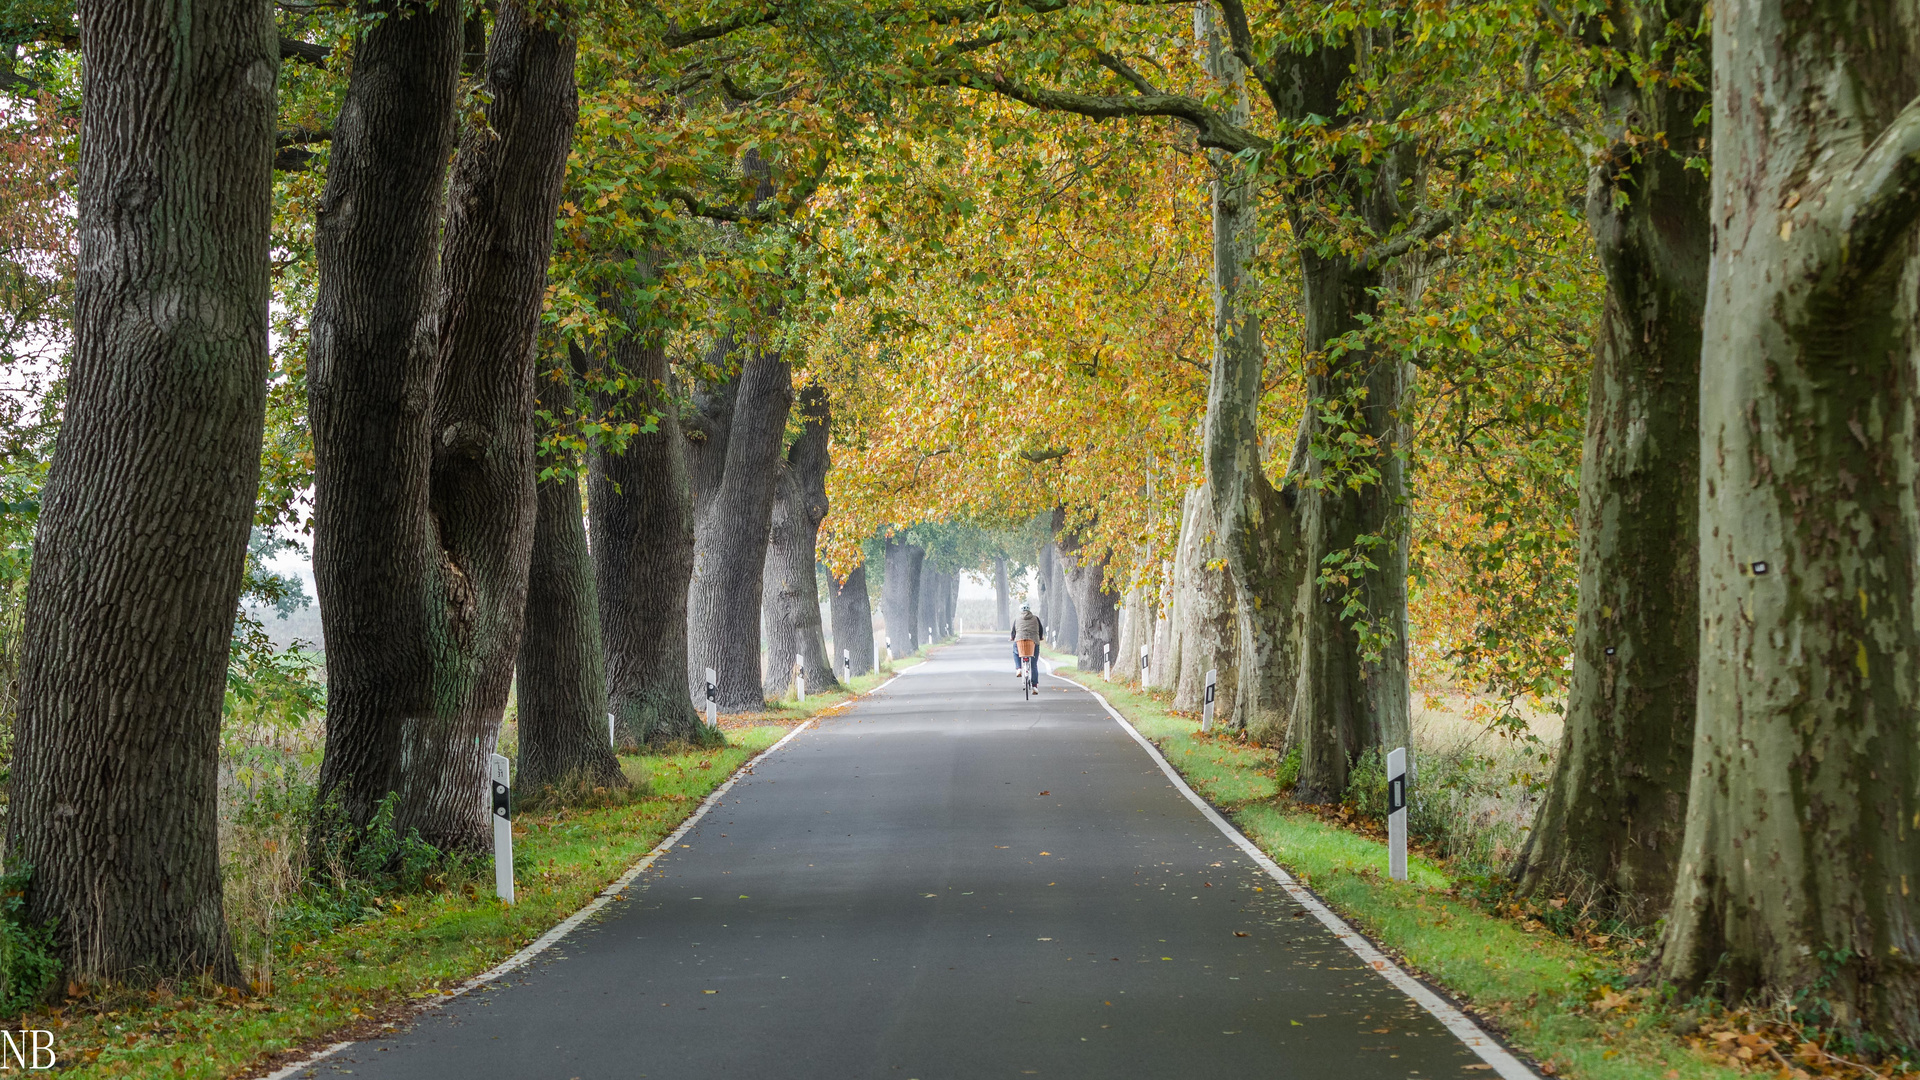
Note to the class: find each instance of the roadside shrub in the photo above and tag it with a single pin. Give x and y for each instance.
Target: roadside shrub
(28, 966)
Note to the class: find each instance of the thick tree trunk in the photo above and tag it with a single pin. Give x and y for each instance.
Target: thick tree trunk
(1002, 610)
(735, 511)
(424, 480)
(1258, 524)
(1353, 693)
(1067, 611)
(1046, 601)
(1799, 870)
(562, 676)
(853, 621)
(1212, 632)
(144, 524)
(370, 373)
(1134, 627)
(643, 560)
(1611, 822)
(1100, 623)
(1186, 670)
(932, 588)
(953, 603)
(792, 591)
(900, 595)
(1163, 656)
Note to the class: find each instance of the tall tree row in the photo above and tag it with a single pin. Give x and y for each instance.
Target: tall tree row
(143, 531)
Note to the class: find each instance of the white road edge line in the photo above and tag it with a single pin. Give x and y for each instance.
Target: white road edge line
(605, 896)
(1490, 1051)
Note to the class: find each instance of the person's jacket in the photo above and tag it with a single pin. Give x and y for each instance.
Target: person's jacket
(1027, 627)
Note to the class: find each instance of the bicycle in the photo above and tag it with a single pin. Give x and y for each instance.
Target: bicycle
(1030, 674)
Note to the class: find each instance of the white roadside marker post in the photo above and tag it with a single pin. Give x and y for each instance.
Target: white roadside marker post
(799, 678)
(1106, 660)
(1146, 673)
(1206, 706)
(713, 700)
(610, 739)
(497, 773)
(846, 665)
(1396, 812)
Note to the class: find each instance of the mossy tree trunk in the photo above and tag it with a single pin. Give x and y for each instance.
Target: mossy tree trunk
(144, 523)
(1610, 826)
(1800, 868)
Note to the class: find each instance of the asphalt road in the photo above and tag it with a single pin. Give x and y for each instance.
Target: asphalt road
(945, 882)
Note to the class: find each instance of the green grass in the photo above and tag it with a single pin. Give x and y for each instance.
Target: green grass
(424, 945)
(1537, 988)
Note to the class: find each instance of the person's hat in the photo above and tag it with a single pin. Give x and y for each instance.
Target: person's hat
(1026, 607)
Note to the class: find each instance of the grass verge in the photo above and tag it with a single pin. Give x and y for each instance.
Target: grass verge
(370, 976)
(1564, 1004)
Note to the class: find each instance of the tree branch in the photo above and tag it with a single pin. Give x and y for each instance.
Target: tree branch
(1213, 130)
(305, 52)
(1880, 197)
(1124, 70)
(744, 19)
(1426, 230)
(1048, 454)
(290, 153)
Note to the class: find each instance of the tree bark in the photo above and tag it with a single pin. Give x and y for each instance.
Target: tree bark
(792, 599)
(853, 620)
(143, 532)
(1100, 625)
(562, 676)
(900, 595)
(424, 502)
(1611, 823)
(731, 524)
(1798, 869)
(642, 511)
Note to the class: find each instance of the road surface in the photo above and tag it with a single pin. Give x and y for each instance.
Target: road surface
(944, 882)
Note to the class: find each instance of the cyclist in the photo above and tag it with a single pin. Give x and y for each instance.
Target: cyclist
(1027, 634)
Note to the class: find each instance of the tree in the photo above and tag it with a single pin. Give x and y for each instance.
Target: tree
(1094, 605)
(900, 595)
(146, 513)
(642, 512)
(733, 484)
(424, 500)
(561, 678)
(792, 603)
(852, 619)
(1798, 866)
(1611, 823)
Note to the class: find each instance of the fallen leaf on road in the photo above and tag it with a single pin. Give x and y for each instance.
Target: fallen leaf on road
(1046, 793)
(1239, 933)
